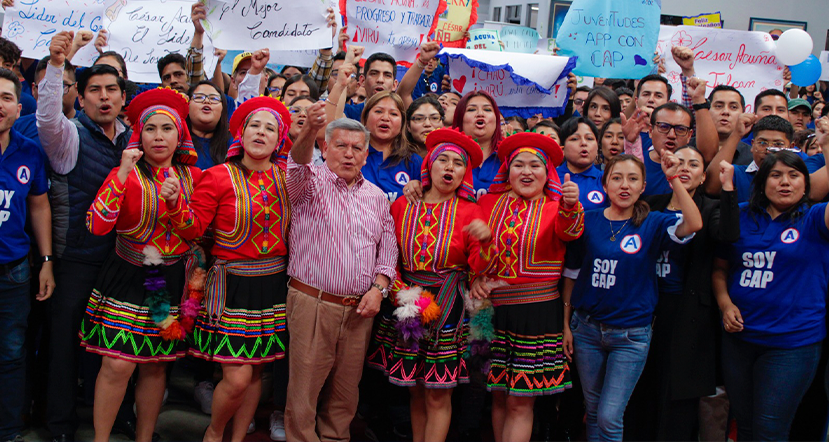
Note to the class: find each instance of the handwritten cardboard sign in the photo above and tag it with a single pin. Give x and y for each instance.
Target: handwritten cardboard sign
(31, 24)
(143, 31)
(250, 25)
(742, 59)
(455, 21)
(396, 27)
(519, 39)
(484, 39)
(522, 84)
(612, 38)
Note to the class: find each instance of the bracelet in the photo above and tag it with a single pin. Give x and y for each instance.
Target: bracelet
(567, 304)
(701, 106)
(328, 101)
(420, 64)
(672, 178)
(47, 258)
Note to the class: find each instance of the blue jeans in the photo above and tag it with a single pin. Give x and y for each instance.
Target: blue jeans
(15, 302)
(765, 385)
(609, 361)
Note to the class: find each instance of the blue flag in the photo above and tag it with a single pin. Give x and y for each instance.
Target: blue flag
(611, 38)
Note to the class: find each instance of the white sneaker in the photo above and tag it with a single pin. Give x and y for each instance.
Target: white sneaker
(252, 426)
(277, 426)
(203, 395)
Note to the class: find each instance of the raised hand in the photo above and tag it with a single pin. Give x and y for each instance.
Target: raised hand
(342, 38)
(354, 54)
(82, 38)
(170, 189)
(670, 164)
(198, 12)
(428, 50)
(479, 230)
(569, 192)
(696, 90)
(101, 41)
(258, 61)
(684, 57)
(129, 157)
(727, 175)
(744, 124)
(316, 116)
(59, 48)
(220, 54)
(331, 20)
(636, 124)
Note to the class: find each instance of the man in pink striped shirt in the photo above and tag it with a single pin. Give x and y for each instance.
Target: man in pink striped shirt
(343, 256)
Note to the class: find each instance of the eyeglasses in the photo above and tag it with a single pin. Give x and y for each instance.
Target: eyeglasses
(578, 101)
(297, 109)
(66, 87)
(434, 118)
(773, 146)
(679, 129)
(274, 91)
(204, 98)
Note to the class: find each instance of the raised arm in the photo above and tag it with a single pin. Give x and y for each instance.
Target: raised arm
(82, 38)
(691, 218)
(708, 142)
(428, 50)
(712, 182)
(335, 104)
(726, 220)
(820, 178)
(321, 69)
(58, 135)
(249, 87)
(195, 54)
(570, 222)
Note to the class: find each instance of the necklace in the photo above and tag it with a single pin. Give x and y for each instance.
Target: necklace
(671, 207)
(612, 233)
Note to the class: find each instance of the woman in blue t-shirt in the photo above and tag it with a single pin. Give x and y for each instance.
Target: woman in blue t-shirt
(682, 361)
(580, 143)
(391, 164)
(208, 124)
(774, 317)
(615, 289)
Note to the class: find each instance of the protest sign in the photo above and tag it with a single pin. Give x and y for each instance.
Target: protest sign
(396, 27)
(611, 38)
(519, 39)
(742, 59)
(484, 39)
(455, 21)
(824, 63)
(248, 25)
(143, 31)
(713, 20)
(522, 84)
(31, 24)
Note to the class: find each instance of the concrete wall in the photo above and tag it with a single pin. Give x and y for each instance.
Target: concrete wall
(735, 13)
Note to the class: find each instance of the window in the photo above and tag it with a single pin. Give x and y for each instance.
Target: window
(496, 14)
(513, 14)
(532, 15)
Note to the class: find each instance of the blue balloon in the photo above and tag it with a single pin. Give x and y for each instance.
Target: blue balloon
(806, 73)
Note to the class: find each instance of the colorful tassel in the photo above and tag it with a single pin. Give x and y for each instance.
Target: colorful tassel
(410, 331)
(432, 310)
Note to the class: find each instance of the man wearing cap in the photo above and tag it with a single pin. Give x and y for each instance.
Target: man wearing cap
(337, 279)
(247, 74)
(800, 114)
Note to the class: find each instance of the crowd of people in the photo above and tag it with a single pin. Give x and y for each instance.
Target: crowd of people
(608, 273)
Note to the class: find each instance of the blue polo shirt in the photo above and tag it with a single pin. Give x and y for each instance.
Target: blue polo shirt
(390, 178)
(202, 146)
(354, 111)
(815, 162)
(778, 278)
(591, 191)
(743, 176)
(655, 181)
(22, 173)
(615, 280)
(27, 126)
(483, 176)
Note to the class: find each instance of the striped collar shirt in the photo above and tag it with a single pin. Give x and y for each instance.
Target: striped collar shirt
(341, 237)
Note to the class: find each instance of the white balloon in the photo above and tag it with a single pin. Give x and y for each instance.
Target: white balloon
(794, 47)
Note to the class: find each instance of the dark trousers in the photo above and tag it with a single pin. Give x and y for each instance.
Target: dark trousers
(765, 385)
(15, 302)
(74, 281)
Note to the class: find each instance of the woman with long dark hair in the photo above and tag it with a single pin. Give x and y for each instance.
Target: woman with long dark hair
(601, 105)
(208, 124)
(681, 364)
(771, 287)
(424, 115)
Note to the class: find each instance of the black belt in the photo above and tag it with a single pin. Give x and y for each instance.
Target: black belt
(6, 268)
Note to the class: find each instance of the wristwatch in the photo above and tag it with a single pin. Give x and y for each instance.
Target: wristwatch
(383, 290)
(706, 105)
